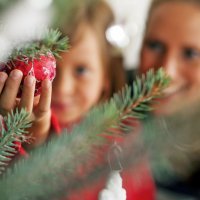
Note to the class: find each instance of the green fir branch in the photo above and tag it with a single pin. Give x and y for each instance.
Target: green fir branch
(55, 42)
(52, 42)
(146, 89)
(16, 124)
(52, 168)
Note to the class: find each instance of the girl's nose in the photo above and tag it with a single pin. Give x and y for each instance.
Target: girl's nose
(171, 65)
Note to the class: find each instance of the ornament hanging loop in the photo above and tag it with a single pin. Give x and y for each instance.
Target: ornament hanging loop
(114, 157)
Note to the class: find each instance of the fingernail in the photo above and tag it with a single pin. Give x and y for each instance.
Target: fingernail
(30, 80)
(3, 77)
(16, 74)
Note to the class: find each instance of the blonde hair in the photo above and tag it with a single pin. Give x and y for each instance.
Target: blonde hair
(97, 15)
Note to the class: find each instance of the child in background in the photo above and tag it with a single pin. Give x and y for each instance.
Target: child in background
(86, 76)
(172, 41)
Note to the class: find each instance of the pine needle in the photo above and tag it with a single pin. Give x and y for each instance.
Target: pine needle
(14, 132)
(52, 168)
(52, 42)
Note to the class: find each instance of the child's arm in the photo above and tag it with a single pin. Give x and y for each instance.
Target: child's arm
(39, 107)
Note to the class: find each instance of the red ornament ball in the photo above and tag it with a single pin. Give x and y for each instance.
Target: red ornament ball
(41, 67)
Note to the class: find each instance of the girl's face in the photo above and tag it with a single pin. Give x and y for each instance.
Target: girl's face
(172, 41)
(80, 79)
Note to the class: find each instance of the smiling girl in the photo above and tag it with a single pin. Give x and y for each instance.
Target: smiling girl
(172, 41)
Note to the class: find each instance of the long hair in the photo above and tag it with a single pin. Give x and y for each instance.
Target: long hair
(97, 15)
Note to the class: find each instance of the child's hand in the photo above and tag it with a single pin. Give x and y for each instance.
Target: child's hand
(38, 107)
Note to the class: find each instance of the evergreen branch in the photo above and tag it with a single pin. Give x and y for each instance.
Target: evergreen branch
(13, 133)
(46, 167)
(146, 89)
(55, 42)
(171, 144)
(51, 42)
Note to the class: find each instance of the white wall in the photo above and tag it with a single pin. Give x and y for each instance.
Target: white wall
(132, 15)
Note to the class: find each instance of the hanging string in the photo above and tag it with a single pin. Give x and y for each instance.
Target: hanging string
(113, 189)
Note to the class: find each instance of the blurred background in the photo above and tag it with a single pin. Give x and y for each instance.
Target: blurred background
(130, 15)
(24, 20)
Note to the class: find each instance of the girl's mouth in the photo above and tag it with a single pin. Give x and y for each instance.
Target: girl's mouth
(172, 91)
(60, 106)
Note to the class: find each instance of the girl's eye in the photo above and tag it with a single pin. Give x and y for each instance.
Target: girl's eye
(155, 46)
(81, 70)
(190, 53)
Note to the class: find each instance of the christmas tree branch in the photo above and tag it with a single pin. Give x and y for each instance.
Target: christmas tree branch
(52, 42)
(52, 168)
(146, 90)
(12, 133)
